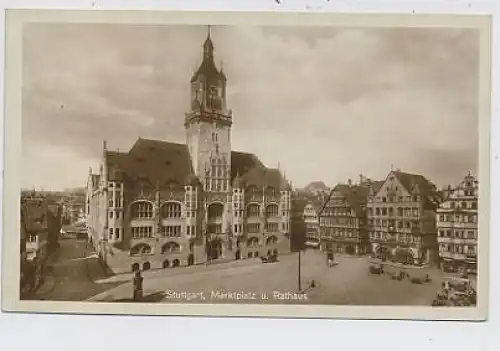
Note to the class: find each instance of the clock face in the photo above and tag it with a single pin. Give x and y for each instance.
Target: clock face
(213, 91)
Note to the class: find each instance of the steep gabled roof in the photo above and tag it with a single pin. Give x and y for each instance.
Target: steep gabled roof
(376, 185)
(153, 161)
(262, 177)
(242, 163)
(160, 162)
(355, 195)
(416, 183)
(409, 181)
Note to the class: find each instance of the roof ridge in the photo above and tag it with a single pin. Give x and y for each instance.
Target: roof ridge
(410, 174)
(161, 141)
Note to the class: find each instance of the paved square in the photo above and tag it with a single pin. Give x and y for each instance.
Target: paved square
(249, 281)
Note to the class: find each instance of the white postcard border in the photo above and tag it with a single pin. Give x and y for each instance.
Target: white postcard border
(15, 19)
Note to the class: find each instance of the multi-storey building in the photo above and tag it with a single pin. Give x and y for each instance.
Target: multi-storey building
(311, 222)
(51, 211)
(401, 218)
(166, 205)
(35, 230)
(456, 222)
(343, 219)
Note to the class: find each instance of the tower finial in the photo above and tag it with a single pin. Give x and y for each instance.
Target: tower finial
(208, 47)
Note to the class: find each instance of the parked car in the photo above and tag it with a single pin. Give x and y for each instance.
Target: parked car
(269, 258)
(455, 292)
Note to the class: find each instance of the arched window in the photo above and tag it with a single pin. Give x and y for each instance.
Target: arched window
(271, 240)
(253, 210)
(171, 210)
(142, 209)
(253, 242)
(272, 210)
(170, 247)
(140, 249)
(215, 210)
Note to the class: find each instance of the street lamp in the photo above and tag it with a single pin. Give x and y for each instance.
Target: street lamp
(325, 202)
(299, 270)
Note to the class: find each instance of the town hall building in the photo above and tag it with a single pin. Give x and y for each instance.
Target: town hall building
(163, 205)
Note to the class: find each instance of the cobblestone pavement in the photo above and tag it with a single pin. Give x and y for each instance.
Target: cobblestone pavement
(72, 274)
(348, 283)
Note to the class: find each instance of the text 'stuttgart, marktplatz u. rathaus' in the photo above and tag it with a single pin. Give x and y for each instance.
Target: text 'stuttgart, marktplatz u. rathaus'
(164, 205)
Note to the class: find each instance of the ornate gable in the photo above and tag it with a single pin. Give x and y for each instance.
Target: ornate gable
(392, 187)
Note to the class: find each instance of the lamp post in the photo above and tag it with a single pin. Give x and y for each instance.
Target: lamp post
(299, 270)
(325, 202)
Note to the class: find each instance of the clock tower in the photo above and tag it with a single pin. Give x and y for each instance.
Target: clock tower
(208, 124)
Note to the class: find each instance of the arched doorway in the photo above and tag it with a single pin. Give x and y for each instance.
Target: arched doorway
(190, 260)
(403, 256)
(166, 264)
(176, 263)
(275, 251)
(146, 266)
(214, 249)
(256, 254)
(271, 240)
(383, 253)
(350, 250)
(237, 254)
(269, 252)
(136, 267)
(250, 255)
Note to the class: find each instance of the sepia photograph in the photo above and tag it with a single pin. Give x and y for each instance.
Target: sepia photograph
(247, 164)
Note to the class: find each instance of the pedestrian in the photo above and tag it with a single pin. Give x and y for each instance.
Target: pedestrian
(137, 286)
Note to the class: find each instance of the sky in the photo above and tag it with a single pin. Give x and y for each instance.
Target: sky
(324, 103)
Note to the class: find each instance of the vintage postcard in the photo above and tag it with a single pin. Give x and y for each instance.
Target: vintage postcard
(247, 164)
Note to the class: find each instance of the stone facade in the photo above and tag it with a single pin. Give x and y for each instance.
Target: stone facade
(456, 223)
(401, 217)
(166, 205)
(311, 221)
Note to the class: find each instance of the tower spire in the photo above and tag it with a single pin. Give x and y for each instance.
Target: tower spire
(208, 47)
